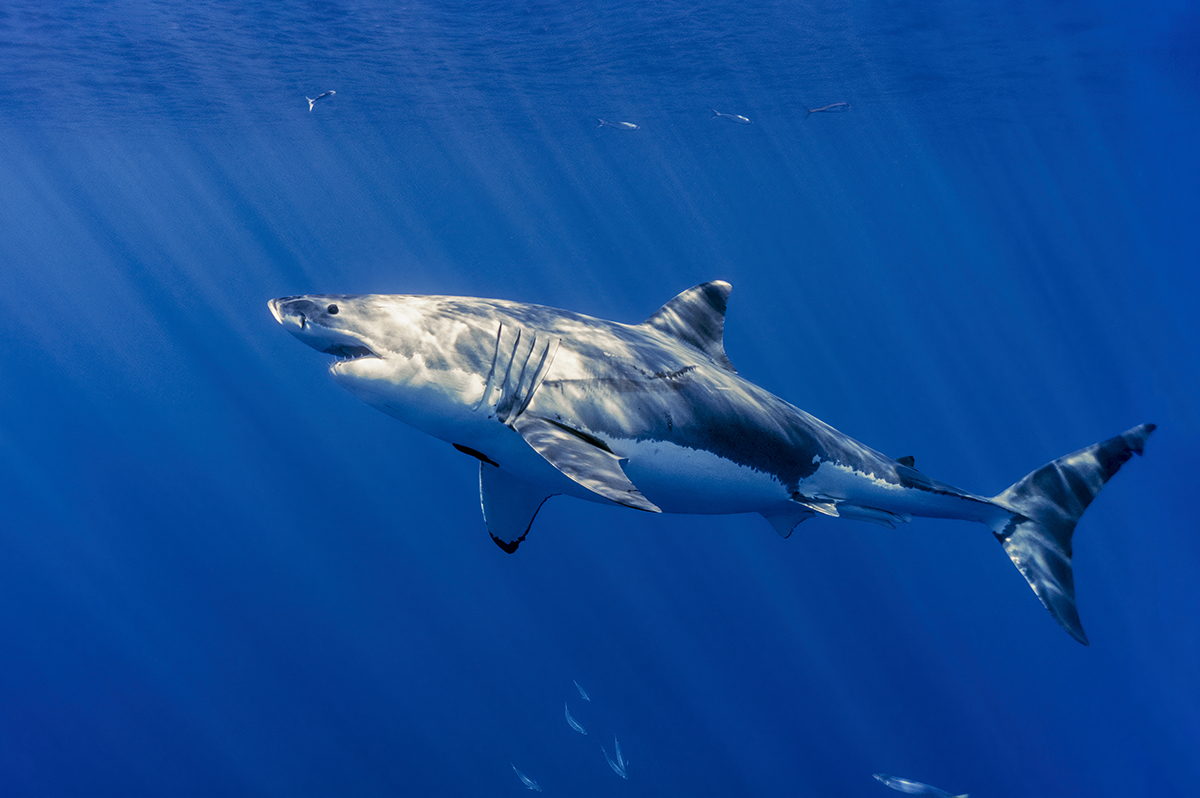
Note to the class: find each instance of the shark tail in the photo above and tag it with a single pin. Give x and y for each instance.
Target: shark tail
(1045, 507)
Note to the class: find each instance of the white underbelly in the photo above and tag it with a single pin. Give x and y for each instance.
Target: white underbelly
(673, 477)
(683, 480)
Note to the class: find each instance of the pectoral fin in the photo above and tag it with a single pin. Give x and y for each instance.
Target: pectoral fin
(583, 458)
(509, 505)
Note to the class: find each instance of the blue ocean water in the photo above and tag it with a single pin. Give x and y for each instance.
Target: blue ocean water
(222, 575)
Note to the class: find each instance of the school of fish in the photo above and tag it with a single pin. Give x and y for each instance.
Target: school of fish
(831, 108)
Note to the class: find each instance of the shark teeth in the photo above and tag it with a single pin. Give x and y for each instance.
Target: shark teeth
(345, 352)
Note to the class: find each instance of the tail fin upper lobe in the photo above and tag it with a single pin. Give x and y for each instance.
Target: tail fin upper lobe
(1046, 506)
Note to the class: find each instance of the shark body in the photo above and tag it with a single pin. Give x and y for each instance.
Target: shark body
(654, 416)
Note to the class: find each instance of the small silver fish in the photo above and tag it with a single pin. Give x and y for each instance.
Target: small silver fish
(910, 787)
(574, 723)
(832, 108)
(741, 120)
(529, 783)
(313, 100)
(617, 125)
(583, 693)
(620, 767)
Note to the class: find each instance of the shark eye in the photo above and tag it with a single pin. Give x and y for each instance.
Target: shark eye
(332, 310)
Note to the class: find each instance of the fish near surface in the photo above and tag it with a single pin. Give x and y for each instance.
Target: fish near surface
(832, 108)
(653, 416)
(617, 125)
(741, 120)
(529, 783)
(313, 100)
(910, 787)
(619, 766)
(574, 724)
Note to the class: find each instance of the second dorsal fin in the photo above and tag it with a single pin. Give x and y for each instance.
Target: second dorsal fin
(697, 318)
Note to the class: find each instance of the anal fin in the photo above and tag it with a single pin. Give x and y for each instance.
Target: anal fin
(509, 505)
(583, 458)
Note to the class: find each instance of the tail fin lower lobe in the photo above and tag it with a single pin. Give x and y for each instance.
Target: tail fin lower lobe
(1046, 505)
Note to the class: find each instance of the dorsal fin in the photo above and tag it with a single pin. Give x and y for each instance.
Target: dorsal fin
(697, 318)
(907, 460)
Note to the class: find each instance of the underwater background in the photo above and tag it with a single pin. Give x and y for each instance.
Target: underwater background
(220, 574)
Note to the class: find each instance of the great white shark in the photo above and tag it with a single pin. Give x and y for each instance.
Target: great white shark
(654, 416)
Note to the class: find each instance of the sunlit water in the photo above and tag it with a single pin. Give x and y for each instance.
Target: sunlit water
(221, 574)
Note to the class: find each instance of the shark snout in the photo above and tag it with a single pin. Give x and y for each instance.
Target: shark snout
(274, 306)
(295, 310)
(316, 322)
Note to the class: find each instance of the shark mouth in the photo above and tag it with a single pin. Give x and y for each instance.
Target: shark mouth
(347, 352)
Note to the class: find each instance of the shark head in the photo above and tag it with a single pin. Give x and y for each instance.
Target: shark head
(404, 355)
(330, 324)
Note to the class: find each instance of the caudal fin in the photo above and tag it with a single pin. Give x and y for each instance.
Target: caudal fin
(1046, 505)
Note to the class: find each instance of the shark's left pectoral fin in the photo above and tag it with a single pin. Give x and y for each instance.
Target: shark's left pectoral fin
(583, 458)
(509, 505)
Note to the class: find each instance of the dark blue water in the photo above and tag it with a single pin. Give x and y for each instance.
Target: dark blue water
(222, 575)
